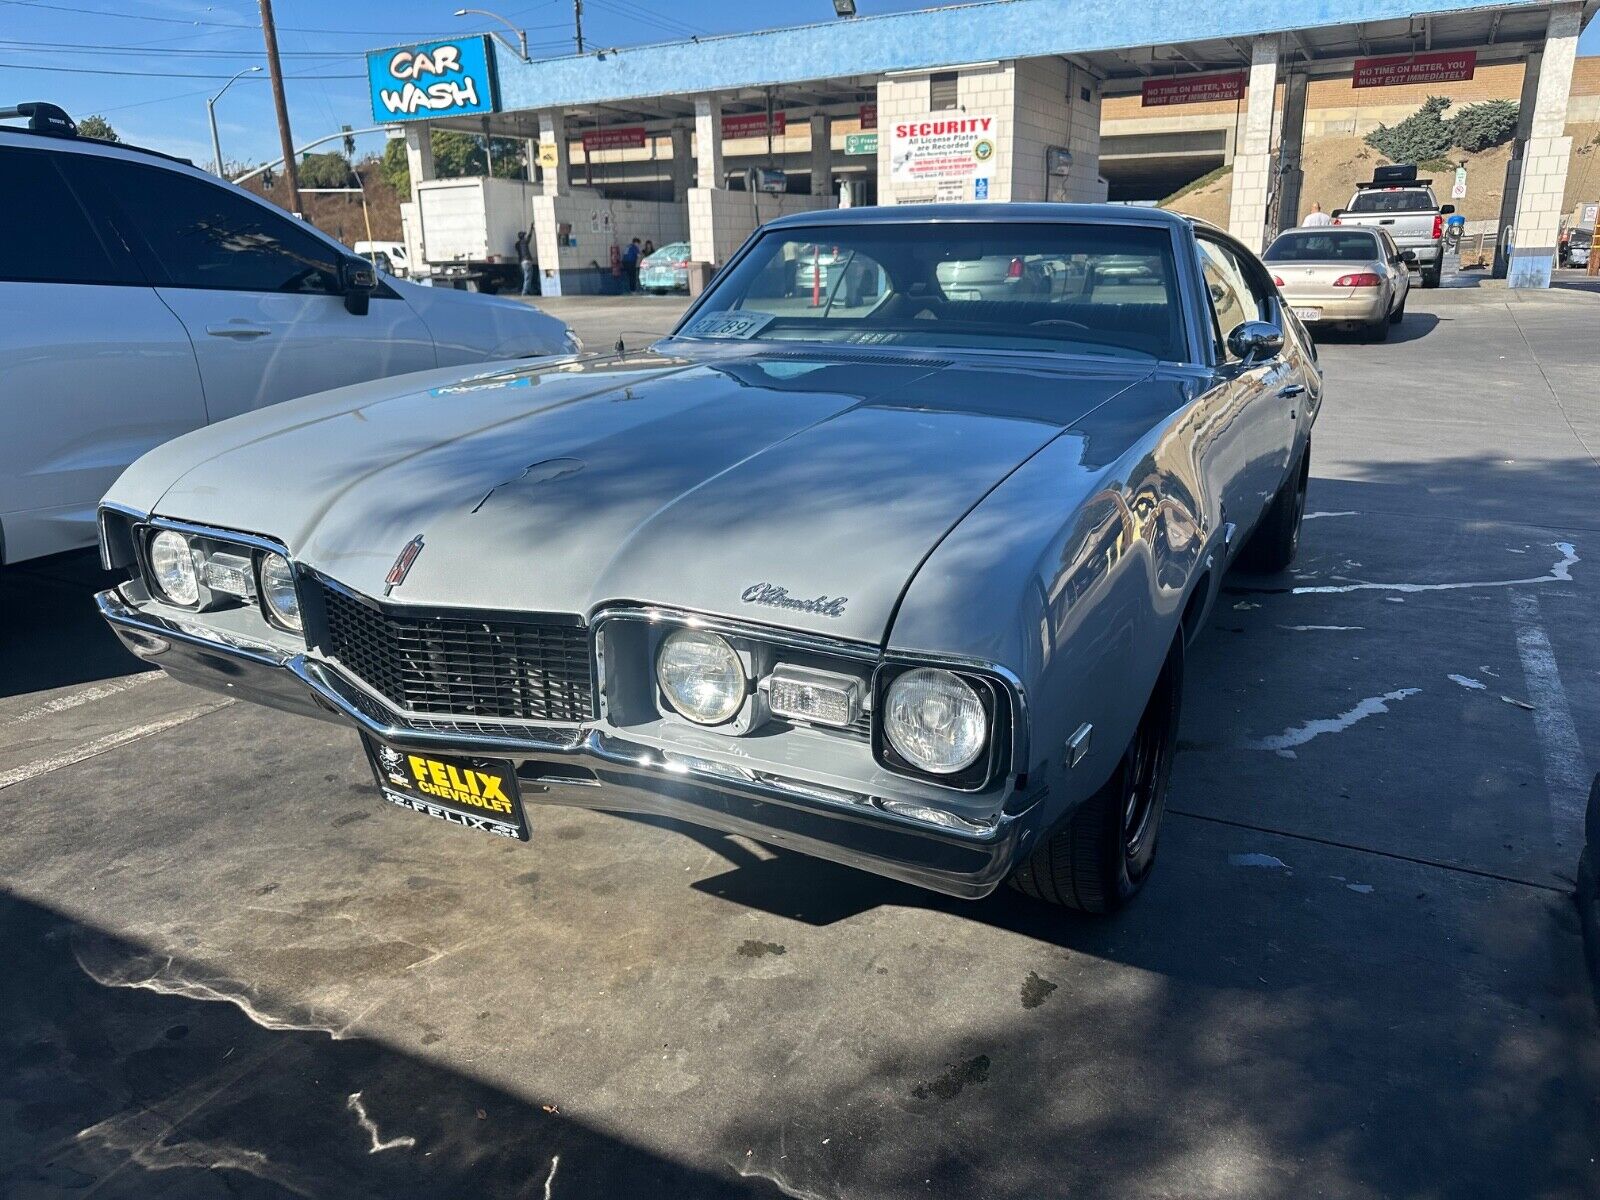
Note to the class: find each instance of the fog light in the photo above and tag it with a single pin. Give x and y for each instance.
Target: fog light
(822, 697)
(231, 575)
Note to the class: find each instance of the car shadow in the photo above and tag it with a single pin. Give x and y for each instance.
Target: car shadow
(51, 634)
(1413, 326)
(127, 1087)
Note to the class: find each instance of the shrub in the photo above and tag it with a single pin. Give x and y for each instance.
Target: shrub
(1423, 135)
(1479, 126)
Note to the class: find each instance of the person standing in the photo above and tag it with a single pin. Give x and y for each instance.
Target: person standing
(525, 261)
(630, 264)
(1317, 217)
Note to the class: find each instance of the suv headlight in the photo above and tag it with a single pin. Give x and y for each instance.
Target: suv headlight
(701, 676)
(278, 593)
(172, 568)
(935, 720)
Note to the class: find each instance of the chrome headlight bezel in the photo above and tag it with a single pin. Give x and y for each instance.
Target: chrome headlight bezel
(990, 762)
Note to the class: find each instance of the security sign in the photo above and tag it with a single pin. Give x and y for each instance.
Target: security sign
(940, 156)
(433, 79)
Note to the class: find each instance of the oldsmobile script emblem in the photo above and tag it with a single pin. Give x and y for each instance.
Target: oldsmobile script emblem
(773, 596)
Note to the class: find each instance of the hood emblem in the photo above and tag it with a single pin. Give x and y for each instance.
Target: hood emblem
(402, 565)
(773, 596)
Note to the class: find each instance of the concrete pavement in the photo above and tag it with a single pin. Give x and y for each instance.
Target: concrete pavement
(1356, 973)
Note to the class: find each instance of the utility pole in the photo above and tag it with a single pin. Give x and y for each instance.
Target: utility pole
(577, 22)
(290, 175)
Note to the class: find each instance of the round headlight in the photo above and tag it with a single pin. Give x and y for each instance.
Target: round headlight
(172, 566)
(277, 591)
(935, 720)
(701, 676)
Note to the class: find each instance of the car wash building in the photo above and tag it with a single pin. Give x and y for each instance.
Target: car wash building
(702, 140)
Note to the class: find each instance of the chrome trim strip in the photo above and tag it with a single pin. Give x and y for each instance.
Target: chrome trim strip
(813, 643)
(254, 540)
(119, 611)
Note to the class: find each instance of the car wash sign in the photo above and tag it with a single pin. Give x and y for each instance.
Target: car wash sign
(942, 157)
(432, 79)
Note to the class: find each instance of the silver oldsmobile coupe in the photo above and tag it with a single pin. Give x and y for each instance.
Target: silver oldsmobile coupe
(893, 563)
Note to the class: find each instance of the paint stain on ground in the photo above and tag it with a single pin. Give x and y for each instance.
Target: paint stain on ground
(750, 948)
(1265, 861)
(955, 1077)
(1035, 990)
(350, 818)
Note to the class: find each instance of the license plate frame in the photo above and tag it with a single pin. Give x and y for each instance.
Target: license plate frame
(465, 790)
(1308, 314)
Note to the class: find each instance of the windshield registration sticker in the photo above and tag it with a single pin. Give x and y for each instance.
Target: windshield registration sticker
(730, 324)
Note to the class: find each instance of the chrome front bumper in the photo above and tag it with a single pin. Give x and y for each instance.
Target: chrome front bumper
(592, 767)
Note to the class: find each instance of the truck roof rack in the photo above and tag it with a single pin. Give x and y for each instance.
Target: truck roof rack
(51, 120)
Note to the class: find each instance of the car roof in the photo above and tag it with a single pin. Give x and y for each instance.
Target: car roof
(1029, 213)
(47, 140)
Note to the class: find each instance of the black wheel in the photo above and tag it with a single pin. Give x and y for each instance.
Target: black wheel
(1399, 314)
(1275, 542)
(1431, 276)
(1378, 331)
(1101, 855)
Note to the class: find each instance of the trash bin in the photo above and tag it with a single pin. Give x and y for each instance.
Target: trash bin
(699, 277)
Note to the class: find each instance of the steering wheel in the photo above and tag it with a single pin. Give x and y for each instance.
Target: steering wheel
(1058, 321)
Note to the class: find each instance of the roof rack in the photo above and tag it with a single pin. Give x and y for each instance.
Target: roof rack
(43, 118)
(51, 120)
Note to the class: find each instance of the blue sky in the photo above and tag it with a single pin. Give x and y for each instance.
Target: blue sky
(175, 53)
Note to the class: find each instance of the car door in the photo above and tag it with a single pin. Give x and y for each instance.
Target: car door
(1263, 393)
(259, 292)
(1399, 272)
(94, 368)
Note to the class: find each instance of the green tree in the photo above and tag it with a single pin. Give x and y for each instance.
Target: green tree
(455, 156)
(96, 126)
(1424, 135)
(326, 171)
(1479, 126)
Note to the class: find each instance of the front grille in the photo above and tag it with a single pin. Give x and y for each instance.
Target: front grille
(445, 664)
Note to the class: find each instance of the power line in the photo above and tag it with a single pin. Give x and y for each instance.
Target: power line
(99, 12)
(101, 48)
(154, 74)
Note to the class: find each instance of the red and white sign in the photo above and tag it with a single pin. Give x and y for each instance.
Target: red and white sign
(753, 125)
(869, 116)
(1447, 66)
(616, 137)
(943, 156)
(1192, 89)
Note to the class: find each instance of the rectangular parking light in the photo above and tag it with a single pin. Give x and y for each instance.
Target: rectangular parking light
(231, 574)
(822, 697)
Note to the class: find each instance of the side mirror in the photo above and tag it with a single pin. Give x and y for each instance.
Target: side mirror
(1255, 341)
(1447, 209)
(1338, 212)
(358, 279)
(1409, 257)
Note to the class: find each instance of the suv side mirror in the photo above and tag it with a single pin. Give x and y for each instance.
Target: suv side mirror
(1255, 341)
(1338, 212)
(358, 280)
(1447, 209)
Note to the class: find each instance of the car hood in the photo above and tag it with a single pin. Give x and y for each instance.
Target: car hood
(720, 484)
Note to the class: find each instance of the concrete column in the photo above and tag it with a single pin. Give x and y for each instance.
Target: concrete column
(821, 155)
(1531, 70)
(1542, 187)
(682, 165)
(1252, 162)
(419, 162)
(708, 142)
(553, 128)
(1291, 174)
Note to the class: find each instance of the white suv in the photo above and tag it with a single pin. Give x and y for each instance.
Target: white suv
(141, 298)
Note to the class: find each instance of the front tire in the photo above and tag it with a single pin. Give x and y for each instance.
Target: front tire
(1275, 542)
(1098, 859)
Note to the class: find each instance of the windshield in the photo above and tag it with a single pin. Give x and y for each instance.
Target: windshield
(1391, 201)
(1088, 289)
(1332, 245)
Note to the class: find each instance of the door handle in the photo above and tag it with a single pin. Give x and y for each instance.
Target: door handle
(1289, 390)
(237, 331)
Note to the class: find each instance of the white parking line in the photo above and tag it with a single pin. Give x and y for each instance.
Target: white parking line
(1566, 776)
(111, 741)
(86, 696)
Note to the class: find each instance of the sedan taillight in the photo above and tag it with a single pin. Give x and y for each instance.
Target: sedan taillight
(1278, 281)
(1358, 280)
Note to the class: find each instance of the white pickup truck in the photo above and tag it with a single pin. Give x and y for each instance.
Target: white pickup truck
(1405, 208)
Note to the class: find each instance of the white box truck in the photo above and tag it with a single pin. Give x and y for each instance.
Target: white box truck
(468, 231)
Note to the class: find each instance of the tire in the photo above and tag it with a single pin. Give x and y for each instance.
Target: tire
(1378, 331)
(1100, 856)
(1431, 276)
(1275, 542)
(1399, 314)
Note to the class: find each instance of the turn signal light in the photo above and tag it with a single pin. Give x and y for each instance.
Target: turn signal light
(1361, 279)
(823, 697)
